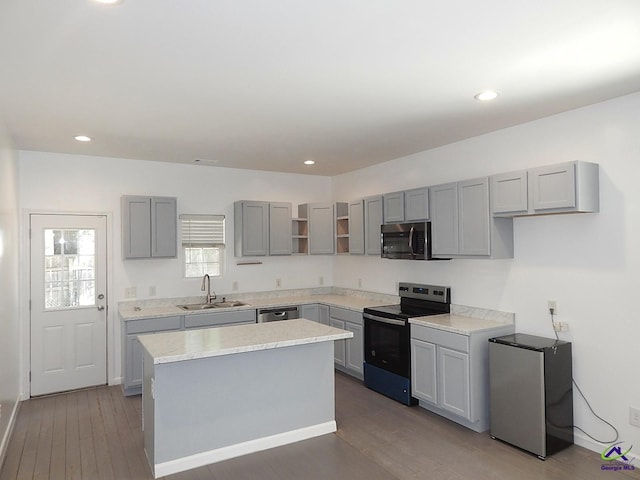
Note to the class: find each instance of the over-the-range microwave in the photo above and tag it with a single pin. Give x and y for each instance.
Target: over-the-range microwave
(409, 241)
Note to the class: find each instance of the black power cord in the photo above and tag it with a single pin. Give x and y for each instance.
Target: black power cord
(586, 401)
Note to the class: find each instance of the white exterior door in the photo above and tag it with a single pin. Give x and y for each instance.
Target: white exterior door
(68, 302)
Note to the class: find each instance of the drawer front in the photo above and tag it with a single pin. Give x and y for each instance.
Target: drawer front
(148, 325)
(214, 319)
(455, 341)
(346, 315)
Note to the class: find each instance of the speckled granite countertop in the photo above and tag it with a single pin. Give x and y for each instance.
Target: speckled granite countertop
(344, 298)
(170, 347)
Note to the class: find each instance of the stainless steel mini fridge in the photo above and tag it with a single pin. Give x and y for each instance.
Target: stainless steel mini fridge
(531, 402)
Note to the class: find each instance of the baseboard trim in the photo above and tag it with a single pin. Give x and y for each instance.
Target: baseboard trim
(4, 444)
(597, 447)
(232, 451)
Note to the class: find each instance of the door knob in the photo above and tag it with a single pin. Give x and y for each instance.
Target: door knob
(100, 307)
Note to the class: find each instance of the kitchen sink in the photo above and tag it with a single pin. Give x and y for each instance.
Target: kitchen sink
(207, 306)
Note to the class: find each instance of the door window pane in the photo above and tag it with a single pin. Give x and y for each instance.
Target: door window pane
(69, 268)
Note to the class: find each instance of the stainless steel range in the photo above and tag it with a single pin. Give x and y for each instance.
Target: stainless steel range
(387, 351)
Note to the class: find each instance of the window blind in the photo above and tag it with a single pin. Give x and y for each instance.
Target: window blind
(202, 230)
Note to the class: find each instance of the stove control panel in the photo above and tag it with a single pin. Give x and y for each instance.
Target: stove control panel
(434, 293)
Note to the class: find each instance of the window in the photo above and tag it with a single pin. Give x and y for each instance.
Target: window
(202, 244)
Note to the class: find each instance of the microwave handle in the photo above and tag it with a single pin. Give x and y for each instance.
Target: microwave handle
(411, 242)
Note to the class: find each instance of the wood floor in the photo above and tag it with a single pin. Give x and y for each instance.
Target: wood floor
(95, 434)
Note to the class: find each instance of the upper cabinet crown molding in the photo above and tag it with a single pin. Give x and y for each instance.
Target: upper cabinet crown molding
(571, 187)
(149, 227)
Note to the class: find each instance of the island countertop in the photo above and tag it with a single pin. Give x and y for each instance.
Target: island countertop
(177, 346)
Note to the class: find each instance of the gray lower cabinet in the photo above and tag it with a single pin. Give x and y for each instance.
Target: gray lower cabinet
(132, 350)
(316, 312)
(449, 373)
(461, 223)
(373, 218)
(219, 319)
(349, 354)
(149, 227)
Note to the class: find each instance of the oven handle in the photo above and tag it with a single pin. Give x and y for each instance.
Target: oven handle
(391, 321)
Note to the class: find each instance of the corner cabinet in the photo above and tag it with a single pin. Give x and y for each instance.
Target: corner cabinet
(149, 227)
(449, 373)
(571, 187)
(320, 229)
(461, 223)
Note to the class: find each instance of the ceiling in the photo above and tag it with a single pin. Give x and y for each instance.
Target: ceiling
(266, 85)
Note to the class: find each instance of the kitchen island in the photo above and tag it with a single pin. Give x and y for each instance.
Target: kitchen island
(217, 393)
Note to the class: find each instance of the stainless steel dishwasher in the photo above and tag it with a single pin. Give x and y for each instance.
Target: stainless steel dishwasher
(277, 314)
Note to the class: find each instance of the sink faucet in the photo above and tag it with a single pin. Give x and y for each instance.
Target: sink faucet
(207, 280)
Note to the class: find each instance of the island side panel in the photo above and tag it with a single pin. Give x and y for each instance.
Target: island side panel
(148, 406)
(208, 404)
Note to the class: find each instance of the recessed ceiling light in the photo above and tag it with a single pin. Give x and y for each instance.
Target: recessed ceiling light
(108, 2)
(486, 95)
(309, 162)
(82, 138)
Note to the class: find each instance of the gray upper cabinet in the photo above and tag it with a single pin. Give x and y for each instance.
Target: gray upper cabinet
(149, 227)
(461, 223)
(251, 225)
(356, 227)
(509, 193)
(570, 187)
(373, 218)
(393, 207)
(567, 187)
(320, 217)
(416, 205)
(280, 229)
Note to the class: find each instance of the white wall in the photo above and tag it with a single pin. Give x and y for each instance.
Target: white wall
(9, 254)
(588, 263)
(73, 183)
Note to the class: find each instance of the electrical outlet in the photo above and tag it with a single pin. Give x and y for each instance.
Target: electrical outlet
(278, 282)
(234, 286)
(130, 292)
(634, 416)
(553, 307)
(321, 280)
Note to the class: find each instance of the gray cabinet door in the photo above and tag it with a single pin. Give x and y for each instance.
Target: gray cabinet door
(164, 227)
(354, 357)
(356, 227)
(424, 371)
(323, 314)
(280, 230)
(509, 193)
(136, 227)
(473, 211)
(339, 346)
(251, 228)
(416, 205)
(310, 312)
(444, 219)
(393, 207)
(554, 187)
(453, 382)
(373, 218)
(321, 232)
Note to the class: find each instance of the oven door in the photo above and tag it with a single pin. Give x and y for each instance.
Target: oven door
(386, 344)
